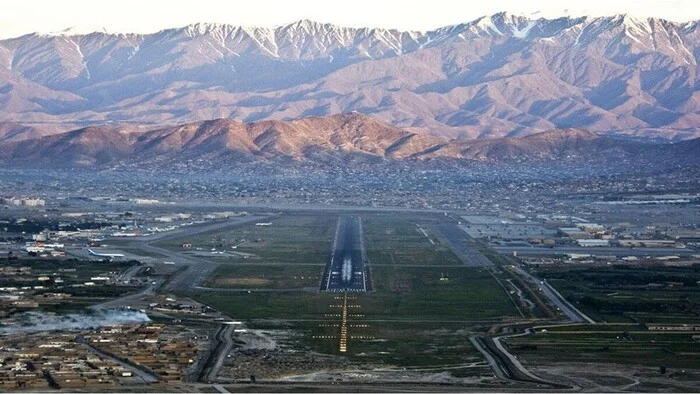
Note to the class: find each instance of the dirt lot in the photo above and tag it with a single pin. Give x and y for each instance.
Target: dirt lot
(616, 377)
(241, 281)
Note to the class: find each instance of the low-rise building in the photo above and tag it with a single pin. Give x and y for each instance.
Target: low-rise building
(593, 242)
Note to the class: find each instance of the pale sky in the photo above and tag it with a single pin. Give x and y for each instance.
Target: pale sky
(18, 17)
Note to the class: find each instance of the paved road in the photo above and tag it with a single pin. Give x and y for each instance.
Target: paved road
(224, 338)
(505, 365)
(557, 299)
(141, 372)
(127, 275)
(347, 270)
(220, 388)
(497, 366)
(457, 240)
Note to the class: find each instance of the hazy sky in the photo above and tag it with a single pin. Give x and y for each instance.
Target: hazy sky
(19, 17)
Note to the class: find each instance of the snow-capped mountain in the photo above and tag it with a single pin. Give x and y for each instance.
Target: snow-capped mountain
(495, 76)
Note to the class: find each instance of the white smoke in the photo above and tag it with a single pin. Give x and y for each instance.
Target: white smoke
(37, 322)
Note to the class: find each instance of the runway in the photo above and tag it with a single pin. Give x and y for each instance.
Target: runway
(347, 270)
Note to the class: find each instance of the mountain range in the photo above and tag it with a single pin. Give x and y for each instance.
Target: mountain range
(344, 138)
(497, 76)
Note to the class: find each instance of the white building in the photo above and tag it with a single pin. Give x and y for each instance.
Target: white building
(593, 242)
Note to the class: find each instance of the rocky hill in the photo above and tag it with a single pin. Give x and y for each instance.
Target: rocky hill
(338, 138)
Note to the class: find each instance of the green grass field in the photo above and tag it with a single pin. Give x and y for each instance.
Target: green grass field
(621, 294)
(290, 239)
(465, 293)
(422, 323)
(404, 344)
(400, 294)
(622, 347)
(400, 241)
(424, 305)
(266, 276)
(634, 295)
